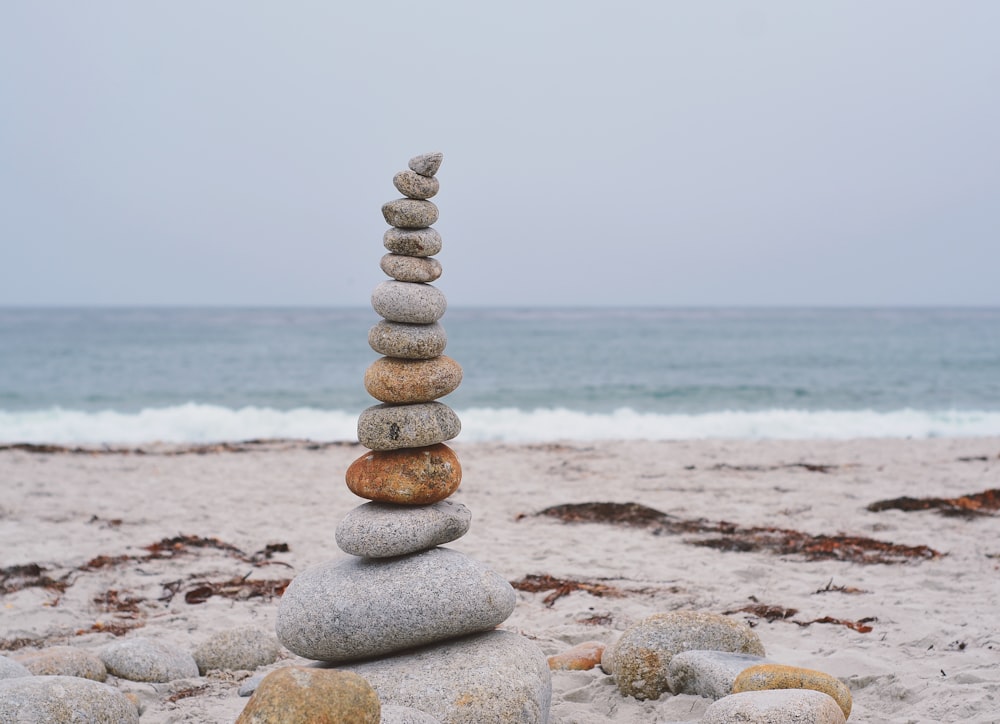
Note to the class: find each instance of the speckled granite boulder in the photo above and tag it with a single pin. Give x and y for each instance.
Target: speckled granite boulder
(64, 661)
(410, 341)
(391, 427)
(491, 677)
(237, 649)
(392, 714)
(405, 381)
(142, 659)
(639, 661)
(300, 695)
(414, 185)
(778, 676)
(582, 657)
(411, 268)
(426, 164)
(410, 476)
(708, 673)
(409, 302)
(10, 669)
(779, 706)
(63, 700)
(362, 607)
(412, 242)
(410, 213)
(382, 530)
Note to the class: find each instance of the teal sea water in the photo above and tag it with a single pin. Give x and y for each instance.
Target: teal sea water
(197, 375)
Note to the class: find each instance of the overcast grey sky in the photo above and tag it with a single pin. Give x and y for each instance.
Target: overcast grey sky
(596, 153)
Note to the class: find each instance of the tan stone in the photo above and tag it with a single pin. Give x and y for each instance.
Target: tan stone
(300, 695)
(778, 676)
(414, 476)
(63, 661)
(581, 657)
(403, 381)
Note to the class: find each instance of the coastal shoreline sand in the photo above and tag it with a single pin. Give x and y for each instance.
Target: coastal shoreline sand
(932, 653)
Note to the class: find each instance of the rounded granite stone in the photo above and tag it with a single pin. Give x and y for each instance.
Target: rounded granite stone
(64, 661)
(10, 669)
(411, 268)
(414, 185)
(63, 700)
(408, 476)
(639, 661)
(409, 213)
(238, 649)
(708, 673)
(306, 695)
(409, 302)
(392, 714)
(412, 242)
(142, 659)
(384, 530)
(391, 427)
(357, 608)
(426, 164)
(779, 706)
(404, 381)
(409, 341)
(779, 676)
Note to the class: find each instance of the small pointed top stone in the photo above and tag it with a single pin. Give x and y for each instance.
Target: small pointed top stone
(426, 164)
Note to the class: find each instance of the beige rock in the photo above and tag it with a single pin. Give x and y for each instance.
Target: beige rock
(63, 661)
(778, 676)
(426, 164)
(403, 381)
(412, 242)
(300, 695)
(414, 476)
(581, 657)
(411, 268)
(414, 185)
(409, 213)
(775, 706)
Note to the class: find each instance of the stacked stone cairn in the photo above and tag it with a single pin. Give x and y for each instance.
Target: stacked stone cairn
(414, 619)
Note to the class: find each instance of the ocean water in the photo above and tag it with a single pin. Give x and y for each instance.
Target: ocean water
(91, 376)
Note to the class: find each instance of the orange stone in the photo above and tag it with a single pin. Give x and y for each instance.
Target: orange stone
(581, 657)
(410, 475)
(400, 381)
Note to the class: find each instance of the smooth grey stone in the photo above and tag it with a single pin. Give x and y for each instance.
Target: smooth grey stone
(142, 659)
(426, 164)
(415, 186)
(392, 714)
(391, 427)
(249, 686)
(10, 669)
(63, 700)
(411, 268)
(412, 242)
(238, 649)
(409, 302)
(409, 213)
(64, 661)
(409, 341)
(708, 673)
(497, 676)
(383, 530)
(357, 608)
(775, 706)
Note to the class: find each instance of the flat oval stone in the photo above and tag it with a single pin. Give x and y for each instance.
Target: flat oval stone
(383, 530)
(10, 669)
(412, 242)
(581, 657)
(409, 213)
(426, 164)
(779, 676)
(403, 381)
(409, 302)
(306, 695)
(410, 268)
(708, 673)
(409, 341)
(414, 185)
(64, 661)
(780, 706)
(61, 700)
(142, 659)
(237, 649)
(391, 427)
(357, 608)
(409, 476)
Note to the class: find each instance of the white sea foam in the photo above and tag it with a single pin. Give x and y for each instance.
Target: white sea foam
(198, 423)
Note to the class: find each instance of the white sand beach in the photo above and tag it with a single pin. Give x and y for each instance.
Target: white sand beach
(932, 653)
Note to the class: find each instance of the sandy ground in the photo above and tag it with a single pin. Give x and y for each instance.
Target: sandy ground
(932, 654)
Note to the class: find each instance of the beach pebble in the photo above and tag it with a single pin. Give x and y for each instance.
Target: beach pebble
(391, 427)
(581, 657)
(412, 242)
(414, 185)
(708, 673)
(143, 659)
(409, 341)
(64, 661)
(779, 706)
(778, 676)
(249, 685)
(305, 695)
(640, 659)
(382, 530)
(63, 700)
(409, 302)
(426, 164)
(409, 213)
(410, 476)
(497, 676)
(392, 714)
(416, 269)
(404, 381)
(237, 649)
(361, 607)
(10, 669)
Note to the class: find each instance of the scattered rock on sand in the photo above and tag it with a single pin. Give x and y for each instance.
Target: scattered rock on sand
(143, 659)
(581, 657)
(778, 676)
(63, 700)
(10, 669)
(708, 673)
(778, 706)
(301, 695)
(64, 661)
(245, 648)
(384, 530)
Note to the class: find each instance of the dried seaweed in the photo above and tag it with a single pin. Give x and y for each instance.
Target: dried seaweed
(236, 589)
(598, 619)
(562, 587)
(30, 575)
(811, 467)
(224, 447)
(968, 506)
(830, 588)
(780, 613)
(185, 693)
